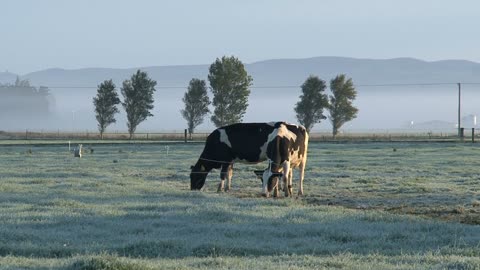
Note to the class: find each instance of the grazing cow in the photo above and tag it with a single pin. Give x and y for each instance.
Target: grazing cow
(287, 150)
(249, 143)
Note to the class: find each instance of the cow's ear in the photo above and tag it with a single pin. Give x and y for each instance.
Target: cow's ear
(202, 168)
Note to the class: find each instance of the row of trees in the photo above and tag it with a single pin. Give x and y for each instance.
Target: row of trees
(313, 101)
(229, 84)
(137, 101)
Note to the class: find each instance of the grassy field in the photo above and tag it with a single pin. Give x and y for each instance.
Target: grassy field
(366, 206)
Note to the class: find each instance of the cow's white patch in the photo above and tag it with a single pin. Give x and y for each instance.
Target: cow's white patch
(283, 132)
(295, 160)
(224, 137)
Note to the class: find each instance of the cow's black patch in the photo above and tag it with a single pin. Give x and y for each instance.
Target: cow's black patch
(246, 140)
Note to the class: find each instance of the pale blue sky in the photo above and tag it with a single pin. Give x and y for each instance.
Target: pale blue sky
(35, 35)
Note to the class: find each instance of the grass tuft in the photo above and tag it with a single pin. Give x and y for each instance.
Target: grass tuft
(154, 249)
(106, 262)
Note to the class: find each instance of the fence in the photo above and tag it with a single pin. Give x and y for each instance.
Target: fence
(378, 135)
(87, 135)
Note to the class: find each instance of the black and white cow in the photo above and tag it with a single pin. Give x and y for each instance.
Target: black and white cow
(287, 150)
(281, 143)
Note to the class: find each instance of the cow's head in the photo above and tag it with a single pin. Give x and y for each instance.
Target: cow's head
(270, 180)
(198, 176)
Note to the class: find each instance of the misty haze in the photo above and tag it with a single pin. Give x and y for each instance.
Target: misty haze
(396, 94)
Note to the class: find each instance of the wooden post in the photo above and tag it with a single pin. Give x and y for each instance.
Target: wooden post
(185, 135)
(473, 135)
(460, 132)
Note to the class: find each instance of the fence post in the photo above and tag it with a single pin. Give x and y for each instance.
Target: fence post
(185, 135)
(462, 133)
(26, 134)
(473, 135)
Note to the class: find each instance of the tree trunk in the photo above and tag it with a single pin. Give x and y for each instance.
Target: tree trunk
(334, 131)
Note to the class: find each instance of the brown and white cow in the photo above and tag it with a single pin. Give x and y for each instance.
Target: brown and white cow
(284, 145)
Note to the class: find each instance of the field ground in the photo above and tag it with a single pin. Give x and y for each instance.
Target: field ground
(128, 206)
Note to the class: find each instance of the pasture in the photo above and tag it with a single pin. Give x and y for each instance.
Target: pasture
(129, 206)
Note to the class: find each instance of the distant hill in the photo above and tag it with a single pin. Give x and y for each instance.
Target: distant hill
(279, 72)
(276, 87)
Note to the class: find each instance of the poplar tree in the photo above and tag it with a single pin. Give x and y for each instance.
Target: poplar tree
(313, 100)
(196, 104)
(137, 99)
(105, 104)
(341, 102)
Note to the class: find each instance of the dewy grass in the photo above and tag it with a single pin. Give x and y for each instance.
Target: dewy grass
(365, 206)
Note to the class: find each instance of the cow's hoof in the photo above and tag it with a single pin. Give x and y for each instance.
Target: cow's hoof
(266, 195)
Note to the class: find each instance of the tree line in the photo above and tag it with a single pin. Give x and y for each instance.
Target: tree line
(229, 84)
(22, 99)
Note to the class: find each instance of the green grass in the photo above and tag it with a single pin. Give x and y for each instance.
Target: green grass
(129, 207)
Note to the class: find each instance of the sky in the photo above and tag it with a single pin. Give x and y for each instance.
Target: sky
(36, 35)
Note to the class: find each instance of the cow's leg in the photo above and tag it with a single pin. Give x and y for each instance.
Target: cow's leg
(290, 182)
(275, 190)
(221, 185)
(223, 175)
(229, 177)
(286, 173)
(300, 184)
(282, 185)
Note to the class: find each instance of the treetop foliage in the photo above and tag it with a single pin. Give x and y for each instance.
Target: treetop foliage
(229, 82)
